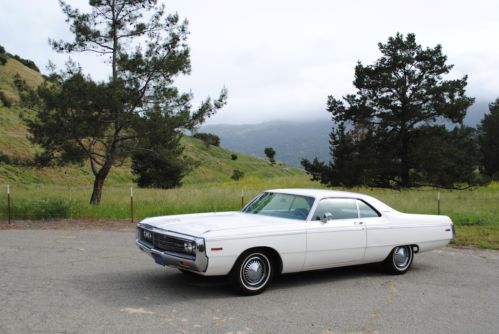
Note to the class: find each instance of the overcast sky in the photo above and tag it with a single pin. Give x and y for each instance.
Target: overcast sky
(280, 59)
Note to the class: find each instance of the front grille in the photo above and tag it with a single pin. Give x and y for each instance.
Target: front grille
(163, 242)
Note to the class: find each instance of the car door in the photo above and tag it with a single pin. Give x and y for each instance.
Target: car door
(339, 239)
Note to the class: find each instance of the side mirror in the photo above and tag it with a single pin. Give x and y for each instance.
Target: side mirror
(327, 217)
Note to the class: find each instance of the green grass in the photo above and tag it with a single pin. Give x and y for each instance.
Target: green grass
(475, 213)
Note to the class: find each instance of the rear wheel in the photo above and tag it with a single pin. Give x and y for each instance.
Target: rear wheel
(399, 260)
(252, 272)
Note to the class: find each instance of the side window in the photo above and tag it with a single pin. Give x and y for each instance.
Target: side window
(340, 208)
(366, 211)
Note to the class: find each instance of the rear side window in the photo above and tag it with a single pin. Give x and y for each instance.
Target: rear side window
(340, 208)
(365, 211)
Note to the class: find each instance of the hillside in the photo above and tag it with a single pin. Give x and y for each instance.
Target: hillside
(292, 141)
(214, 164)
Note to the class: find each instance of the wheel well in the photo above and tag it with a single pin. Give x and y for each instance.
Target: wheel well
(275, 257)
(414, 247)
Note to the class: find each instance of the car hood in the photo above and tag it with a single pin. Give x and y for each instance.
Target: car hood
(201, 223)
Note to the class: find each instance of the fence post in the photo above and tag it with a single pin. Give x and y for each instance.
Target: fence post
(438, 202)
(131, 202)
(242, 198)
(9, 209)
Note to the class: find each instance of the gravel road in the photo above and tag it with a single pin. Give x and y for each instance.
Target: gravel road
(73, 281)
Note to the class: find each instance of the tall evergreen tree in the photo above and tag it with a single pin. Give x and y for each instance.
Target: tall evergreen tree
(489, 140)
(103, 122)
(400, 93)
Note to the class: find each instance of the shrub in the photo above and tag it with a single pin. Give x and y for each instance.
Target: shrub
(42, 209)
(5, 100)
(208, 139)
(3, 59)
(237, 174)
(233, 156)
(270, 153)
(26, 62)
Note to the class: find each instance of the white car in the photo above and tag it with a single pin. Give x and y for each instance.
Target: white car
(291, 230)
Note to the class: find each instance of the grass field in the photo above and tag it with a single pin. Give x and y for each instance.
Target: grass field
(475, 212)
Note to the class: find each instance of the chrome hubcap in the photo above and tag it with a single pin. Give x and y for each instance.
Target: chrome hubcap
(401, 257)
(254, 271)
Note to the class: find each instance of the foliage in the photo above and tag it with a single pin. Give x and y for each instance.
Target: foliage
(104, 122)
(270, 154)
(381, 130)
(445, 157)
(26, 62)
(5, 100)
(27, 95)
(237, 175)
(158, 160)
(208, 139)
(489, 140)
(233, 156)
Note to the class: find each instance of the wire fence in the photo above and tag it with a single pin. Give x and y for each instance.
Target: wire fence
(48, 202)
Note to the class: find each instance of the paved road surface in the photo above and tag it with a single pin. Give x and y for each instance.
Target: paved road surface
(98, 282)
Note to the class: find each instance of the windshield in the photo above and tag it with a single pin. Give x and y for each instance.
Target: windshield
(280, 205)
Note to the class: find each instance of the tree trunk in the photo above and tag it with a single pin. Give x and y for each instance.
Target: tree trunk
(98, 185)
(404, 164)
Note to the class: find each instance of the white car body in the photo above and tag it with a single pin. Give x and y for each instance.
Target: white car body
(219, 239)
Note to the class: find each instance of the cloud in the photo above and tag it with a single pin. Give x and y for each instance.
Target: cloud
(281, 59)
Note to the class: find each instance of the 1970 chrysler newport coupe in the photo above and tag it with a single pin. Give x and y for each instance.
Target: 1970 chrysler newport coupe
(291, 230)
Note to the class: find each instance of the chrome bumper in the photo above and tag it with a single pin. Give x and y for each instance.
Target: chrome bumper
(197, 262)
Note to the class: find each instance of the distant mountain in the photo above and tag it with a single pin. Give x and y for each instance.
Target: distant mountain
(296, 140)
(476, 111)
(292, 141)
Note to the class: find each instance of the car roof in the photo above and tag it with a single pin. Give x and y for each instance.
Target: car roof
(316, 192)
(324, 193)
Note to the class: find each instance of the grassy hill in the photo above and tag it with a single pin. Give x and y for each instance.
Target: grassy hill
(214, 164)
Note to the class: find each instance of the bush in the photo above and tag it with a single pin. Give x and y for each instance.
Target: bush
(237, 174)
(3, 59)
(233, 156)
(5, 100)
(41, 209)
(26, 62)
(270, 153)
(208, 139)
(2, 50)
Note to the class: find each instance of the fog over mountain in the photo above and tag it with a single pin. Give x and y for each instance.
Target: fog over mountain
(294, 140)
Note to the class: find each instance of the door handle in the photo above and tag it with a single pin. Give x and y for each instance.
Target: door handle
(359, 223)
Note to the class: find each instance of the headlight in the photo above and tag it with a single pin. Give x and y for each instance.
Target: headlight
(189, 247)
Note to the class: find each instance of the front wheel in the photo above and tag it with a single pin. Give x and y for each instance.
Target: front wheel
(252, 273)
(399, 260)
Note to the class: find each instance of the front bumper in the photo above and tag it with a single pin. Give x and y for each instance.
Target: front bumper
(198, 262)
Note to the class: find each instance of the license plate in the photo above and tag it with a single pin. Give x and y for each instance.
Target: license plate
(158, 259)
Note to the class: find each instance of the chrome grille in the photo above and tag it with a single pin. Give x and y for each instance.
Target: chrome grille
(162, 242)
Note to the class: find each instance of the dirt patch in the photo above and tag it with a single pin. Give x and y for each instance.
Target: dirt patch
(69, 224)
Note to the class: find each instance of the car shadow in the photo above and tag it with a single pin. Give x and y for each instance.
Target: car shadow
(168, 287)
